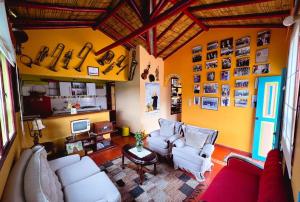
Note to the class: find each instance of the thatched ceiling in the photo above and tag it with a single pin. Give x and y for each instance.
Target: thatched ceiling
(118, 19)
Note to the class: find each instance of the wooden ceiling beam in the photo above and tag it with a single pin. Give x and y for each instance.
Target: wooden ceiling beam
(171, 25)
(249, 26)
(225, 4)
(126, 45)
(158, 8)
(116, 35)
(43, 6)
(177, 38)
(277, 14)
(48, 26)
(53, 21)
(136, 9)
(186, 42)
(178, 7)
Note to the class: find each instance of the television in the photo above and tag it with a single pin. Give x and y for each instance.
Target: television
(80, 126)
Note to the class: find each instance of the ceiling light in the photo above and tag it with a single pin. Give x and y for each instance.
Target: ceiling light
(11, 12)
(290, 20)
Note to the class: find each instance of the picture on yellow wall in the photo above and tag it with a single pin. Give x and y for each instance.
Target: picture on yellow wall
(196, 88)
(197, 49)
(212, 45)
(197, 58)
(210, 103)
(242, 83)
(227, 46)
(261, 69)
(197, 68)
(240, 102)
(211, 76)
(210, 88)
(262, 55)
(241, 93)
(225, 75)
(242, 71)
(152, 99)
(226, 63)
(243, 62)
(225, 90)
(263, 38)
(225, 101)
(242, 42)
(211, 64)
(212, 55)
(197, 78)
(196, 100)
(241, 52)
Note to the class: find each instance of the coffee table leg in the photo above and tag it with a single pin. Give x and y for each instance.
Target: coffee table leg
(155, 169)
(141, 175)
(123, 162)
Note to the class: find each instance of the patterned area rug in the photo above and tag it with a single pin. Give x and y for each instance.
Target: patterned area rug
(167, 185)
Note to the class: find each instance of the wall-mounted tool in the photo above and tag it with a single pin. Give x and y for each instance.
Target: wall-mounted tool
(26, 60)
(83, 54)
(106, 58)
(121, 69)
(133, 63)
(21, 37)
(42, 54)
(120, 60)
(56, 55)
(67, 58)
(109, 68)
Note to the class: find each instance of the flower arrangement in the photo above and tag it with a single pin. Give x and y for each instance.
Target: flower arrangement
(139, 141)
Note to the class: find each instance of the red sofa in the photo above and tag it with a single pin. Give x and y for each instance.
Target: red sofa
(241, 180)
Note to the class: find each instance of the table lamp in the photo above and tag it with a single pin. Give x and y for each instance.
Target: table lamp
(37, 127)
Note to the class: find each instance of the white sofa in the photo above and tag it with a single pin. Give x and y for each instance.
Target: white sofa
(160, 141)
(193, 151)
(70, 179)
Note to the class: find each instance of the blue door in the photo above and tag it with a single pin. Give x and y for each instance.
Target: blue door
(267, 120)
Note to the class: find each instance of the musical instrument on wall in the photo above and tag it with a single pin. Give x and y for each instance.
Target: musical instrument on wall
(121, 69)
(120, 60)
(26, 60)
(144, 75)
(133, 63)
(67, 58)
(109, 68)
(42, 54)
(83, 54)
(106, 58)
(56, 55)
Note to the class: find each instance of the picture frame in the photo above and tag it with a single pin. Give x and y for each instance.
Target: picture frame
(196, 100)
(210, 76)
(210, 88)
(262, 55)
(242, 71)
(225, 90)
(241, 102)
(74, 147)
(197, 58)
(197, 68)
(93, 71)
(197, 78)
(242, 42)
(227, 46)
(225, 75)
(211, 64)
(225, 101)
(243, 62)
(212, 55)
(212, 45)
(241, 93)
(197, 49)
(242, 83)
(226, 63)
(241, 52)
(210, 103)
(263, 38)
(196, 88)
(261, 69)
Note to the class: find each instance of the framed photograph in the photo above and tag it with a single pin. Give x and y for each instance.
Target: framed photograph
(210, 88)
(225, 101)
(196, 100)
(242, 42)
(262, 55)
(210, 103)
(211, 64)
(242, 71)
(261, 69)
(197, 78)
(212, 55)
(240, 52)
(196, 88)
(211, 76)
(197, 49)
(197, 68)
(152, 97)
(227, 46)
(241, 93)
(253, 101)
(93, 71)
(243, 62)
(240, 102)
(226, 63)
(74, 147)
(225, 75)
(242, 83)
(263, 38)
(212, 45)
(225, 90)
(197, 58)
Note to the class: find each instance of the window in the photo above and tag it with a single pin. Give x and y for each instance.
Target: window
(7, 114)
(291, 99)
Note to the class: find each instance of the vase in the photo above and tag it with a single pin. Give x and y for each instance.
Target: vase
(139, 145)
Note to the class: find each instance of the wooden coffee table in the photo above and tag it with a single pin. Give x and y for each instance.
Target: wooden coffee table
(150, 159)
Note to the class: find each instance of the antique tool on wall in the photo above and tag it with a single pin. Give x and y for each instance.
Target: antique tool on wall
(120, 60)
(144, 75)
(121, 69)
(109, 68)
(157, 74)
(132, 64)
(26, 60)
(106, 58)
(41, 55)
(83, 54)
(56, 55)
(21, 37)
(67, 58)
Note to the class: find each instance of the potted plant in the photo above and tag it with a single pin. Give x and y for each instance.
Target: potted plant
(139, 141)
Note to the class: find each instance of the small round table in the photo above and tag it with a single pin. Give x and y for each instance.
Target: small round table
(150, 159)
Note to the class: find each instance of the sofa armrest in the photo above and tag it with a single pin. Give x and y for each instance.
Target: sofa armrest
(173, 138)
(179, 142)
(155, 133)
(245, 164)
(59, 163)
(207, 150)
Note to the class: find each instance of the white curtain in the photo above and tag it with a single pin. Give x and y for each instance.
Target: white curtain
(291, 99)
(6, 45)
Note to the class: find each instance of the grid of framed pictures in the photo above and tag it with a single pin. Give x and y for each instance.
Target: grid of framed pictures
(261, 65)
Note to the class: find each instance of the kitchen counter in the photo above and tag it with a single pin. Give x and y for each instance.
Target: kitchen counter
(67, 114)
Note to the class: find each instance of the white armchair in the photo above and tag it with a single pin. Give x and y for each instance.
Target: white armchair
(161, 140)
(193, 151)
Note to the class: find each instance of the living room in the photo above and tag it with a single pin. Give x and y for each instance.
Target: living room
(155, 100)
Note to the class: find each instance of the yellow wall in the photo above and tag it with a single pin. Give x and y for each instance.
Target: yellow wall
(72, 39)
(235, 124)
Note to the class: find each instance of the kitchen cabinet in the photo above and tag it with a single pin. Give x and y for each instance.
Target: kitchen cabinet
(91, 89)
(65, 88)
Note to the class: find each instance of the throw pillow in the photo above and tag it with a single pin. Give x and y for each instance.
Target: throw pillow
(195, 139)
(167, 128)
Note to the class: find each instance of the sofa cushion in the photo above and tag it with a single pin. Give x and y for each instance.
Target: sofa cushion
(14, 189)
(195, 139)
(194, 129)
(158, 141)
(40, 182)
(167, 128)
(77, 171)
(188, 153)
(97, 187)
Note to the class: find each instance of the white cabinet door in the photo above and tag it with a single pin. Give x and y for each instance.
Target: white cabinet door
(90, 88)
(65, 88)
